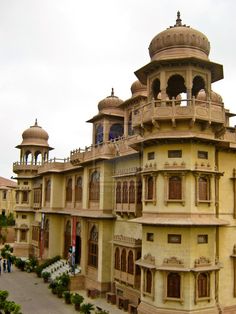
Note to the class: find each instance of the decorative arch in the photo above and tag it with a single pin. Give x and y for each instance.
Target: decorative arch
(131, 192)
(198, 84)
(93, 247)
(117, 259)
(175, 86)
(94, 186)
(156, 88)
(116, 131)
(123, 260)
(69, 190)
(38, 158)
(130, 269)
(78, 189)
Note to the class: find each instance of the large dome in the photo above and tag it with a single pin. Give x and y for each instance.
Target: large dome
(215, 98)
(110, 104)
(179, 41)
(35, 135)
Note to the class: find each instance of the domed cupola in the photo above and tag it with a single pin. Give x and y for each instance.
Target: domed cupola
(35, 135)
(138, 89)
(215, 98)
(179, 41)
(34, 146)
(110, 105)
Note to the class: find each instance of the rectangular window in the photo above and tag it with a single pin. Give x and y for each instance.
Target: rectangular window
(150, 237)
(174, 238)
(25, 183)
(151, 156)
(202, 238)
(24, 216)
(175, 153)
(202, 154)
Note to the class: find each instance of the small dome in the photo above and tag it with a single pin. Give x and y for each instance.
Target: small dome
(138, 89)
(179, 41)
(110, 104)
(35, 135)
(214, 97)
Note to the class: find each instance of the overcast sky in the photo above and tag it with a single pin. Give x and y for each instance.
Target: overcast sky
(59, 58)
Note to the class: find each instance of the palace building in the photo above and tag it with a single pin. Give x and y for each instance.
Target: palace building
(145, 206)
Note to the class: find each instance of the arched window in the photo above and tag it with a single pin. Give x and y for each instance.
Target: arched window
(94, 186)
(93, 247)
(118, 192)
(131, 192)
(150, 188)
(48, 190)
(116, 131)
(156, 88)
(139, 191)
(37, 158)
(69, 190)
(203, 189)
(123, 260)
(175, 188)
(67, 238)
(117, 258)
(125, 192)
(202, 283)
(99, 134)
(46, 234)
(173, 285)
(130, 128)
(148, 282)
(198, 84)
(78, 189)
(28, 159)
(131, 262)
(176, 86)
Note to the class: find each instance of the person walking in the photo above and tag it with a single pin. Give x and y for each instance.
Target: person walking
(4, 266)
(9, 264)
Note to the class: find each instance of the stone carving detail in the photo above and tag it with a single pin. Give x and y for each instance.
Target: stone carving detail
(121, 238)
(175, 165)
(148, 258)
(173, 261)
(202, 261)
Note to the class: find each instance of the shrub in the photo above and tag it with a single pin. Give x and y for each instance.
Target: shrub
(47, 263)
(45, 275)
(77, 298)
(86, 308)
(67, 296)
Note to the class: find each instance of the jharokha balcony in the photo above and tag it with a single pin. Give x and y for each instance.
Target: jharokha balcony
(191, 109)
(24, 166)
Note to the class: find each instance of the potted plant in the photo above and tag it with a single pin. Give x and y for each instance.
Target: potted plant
(77, 300)
(11, 307)
(86, 308)
(59, 290)
(53, 287)
(67, 297)
(46, 275)
(3, 296)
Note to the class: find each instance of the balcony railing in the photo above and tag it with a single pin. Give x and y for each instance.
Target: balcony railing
(55, 165)
(106, 150)
(175, 109)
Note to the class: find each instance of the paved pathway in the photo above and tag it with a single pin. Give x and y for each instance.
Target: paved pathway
(35, 298)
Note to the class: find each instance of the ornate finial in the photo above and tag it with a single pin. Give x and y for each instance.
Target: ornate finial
(36, 122)
(178, 21)
(112, 92)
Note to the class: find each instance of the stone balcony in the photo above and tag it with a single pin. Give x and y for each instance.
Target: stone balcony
(55, 165)
(173, 110)
(22, 166)
(106, 150)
